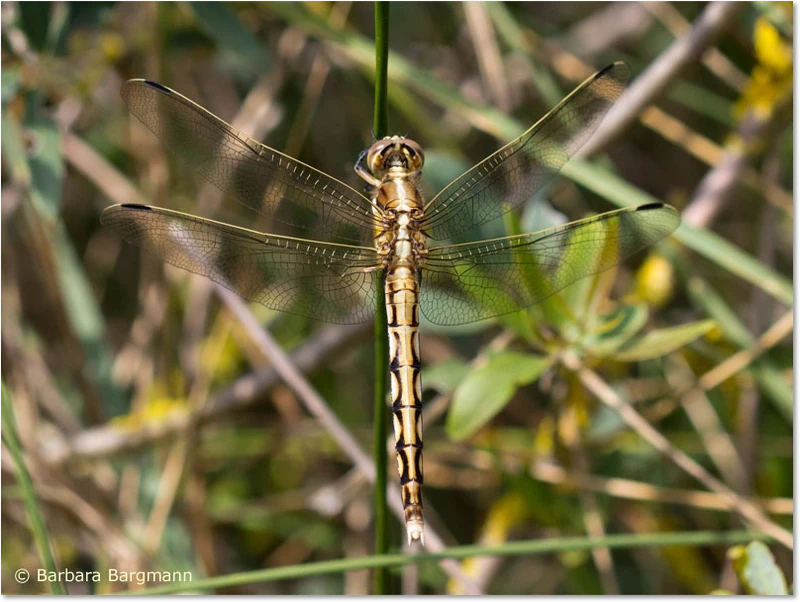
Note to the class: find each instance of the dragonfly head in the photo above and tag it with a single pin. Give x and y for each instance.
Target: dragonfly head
(394, 151)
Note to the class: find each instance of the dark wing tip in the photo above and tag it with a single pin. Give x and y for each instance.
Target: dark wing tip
(131, 84)
(670, 218)
(648, 206)
(136, 206)
(604, 70)
(138, 81)
(622, 71)
(156, 85)
(110, 212)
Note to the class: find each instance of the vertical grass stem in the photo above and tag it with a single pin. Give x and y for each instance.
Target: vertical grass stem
(29, 498)
(380, 128)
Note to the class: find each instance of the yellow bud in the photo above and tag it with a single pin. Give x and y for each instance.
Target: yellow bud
(545, 437)
(655, 280)
(112, 46)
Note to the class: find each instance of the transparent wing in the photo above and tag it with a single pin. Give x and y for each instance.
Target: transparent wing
(474, 281)
(513, 174)
(325, 281)
(263, 179)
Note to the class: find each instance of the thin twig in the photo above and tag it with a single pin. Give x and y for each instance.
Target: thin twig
(730, 367)
(658, 76)
(706, 423)
(718, 186)
(714, 60)
(592, 381)
(591, 513)
(710, 153)
(760, 311)
(739, 361)
(548, 472)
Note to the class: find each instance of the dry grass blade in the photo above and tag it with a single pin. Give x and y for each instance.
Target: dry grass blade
(488, 54)
(635, 490)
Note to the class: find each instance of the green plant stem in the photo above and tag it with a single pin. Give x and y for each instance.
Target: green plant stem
(381, 112)
(38, 527)
(514, 548)
(380, 127)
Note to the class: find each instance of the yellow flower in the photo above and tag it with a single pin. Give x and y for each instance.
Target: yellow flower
(154, 412)
(772, 78)
(772, 51)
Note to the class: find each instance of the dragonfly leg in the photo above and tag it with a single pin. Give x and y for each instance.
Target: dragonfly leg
(364, 173)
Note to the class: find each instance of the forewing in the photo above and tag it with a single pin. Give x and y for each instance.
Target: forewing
(326, 281)
(263, 179)
(474, 281)
(513, 174)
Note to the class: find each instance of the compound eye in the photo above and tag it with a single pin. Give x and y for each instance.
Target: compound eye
(415, 155)
(375, 156)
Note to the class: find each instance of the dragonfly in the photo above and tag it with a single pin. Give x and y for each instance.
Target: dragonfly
(337, 250)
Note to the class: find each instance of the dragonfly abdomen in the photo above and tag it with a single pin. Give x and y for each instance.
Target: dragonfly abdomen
(402, 308)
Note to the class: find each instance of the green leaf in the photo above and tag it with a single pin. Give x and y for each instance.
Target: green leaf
(231, 35)
(704, 101)
(706, 298)
(30, 498)
(486, 390)
(14, 150)
(757, 571)
(445, 376)
(615, 329)
(727, 255)
(660, 342)
(46, 163)
(10, 84)
(772, 382)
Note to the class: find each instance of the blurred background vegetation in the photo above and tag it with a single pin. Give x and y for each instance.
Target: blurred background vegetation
(159, 436)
